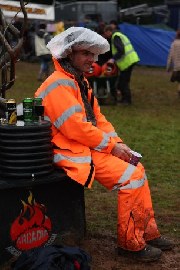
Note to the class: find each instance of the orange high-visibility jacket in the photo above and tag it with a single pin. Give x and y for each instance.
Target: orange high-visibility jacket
(72, 136)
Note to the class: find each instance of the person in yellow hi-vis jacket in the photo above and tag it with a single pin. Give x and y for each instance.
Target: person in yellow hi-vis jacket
(87, 147)
(125, 57)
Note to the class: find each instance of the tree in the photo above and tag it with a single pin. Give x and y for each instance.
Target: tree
(9, 53)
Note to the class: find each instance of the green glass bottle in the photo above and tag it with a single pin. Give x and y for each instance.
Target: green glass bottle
(37, 101)
(38, 109)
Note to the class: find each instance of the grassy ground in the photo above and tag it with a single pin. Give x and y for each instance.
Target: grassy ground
(150, 126)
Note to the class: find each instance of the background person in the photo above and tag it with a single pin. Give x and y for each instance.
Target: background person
(125, 57)
(173, 61)
(87, 147)
(42, 37)
(114, 25)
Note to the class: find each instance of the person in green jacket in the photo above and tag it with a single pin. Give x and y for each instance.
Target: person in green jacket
(125, 57)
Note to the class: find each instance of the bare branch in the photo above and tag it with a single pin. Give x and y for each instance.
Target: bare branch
(10, 54)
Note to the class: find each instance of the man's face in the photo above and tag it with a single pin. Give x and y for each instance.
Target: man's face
(82, 60)
(108, 34)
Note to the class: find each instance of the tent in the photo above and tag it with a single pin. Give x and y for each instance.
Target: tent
(152, 45)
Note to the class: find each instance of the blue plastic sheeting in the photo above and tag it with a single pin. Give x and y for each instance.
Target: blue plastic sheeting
(152, 45)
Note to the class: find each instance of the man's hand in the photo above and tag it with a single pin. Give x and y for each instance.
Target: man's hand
(121, 151)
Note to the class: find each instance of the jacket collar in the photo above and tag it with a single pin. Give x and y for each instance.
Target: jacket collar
(59, 68)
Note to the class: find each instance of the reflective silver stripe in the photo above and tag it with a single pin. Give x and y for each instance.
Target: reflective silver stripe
(112, 134)
(52, 86)
(47, 118)
(134, 184)
(127, 43)
(103, 143)
(127, 174)
(129, 52)
(69, 112)
(59, 157)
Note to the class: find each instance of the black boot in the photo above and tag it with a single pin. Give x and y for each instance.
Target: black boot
(161, 243)
(147, 254)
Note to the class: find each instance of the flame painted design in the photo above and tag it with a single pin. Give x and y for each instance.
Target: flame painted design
(32, 227)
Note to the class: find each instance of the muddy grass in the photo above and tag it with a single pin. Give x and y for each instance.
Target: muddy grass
(102, 248)
(104, 256)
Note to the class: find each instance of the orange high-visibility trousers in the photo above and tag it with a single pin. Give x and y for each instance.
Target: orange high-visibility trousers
(136, 223)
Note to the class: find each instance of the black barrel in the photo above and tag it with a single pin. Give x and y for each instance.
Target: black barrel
(26, 150)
